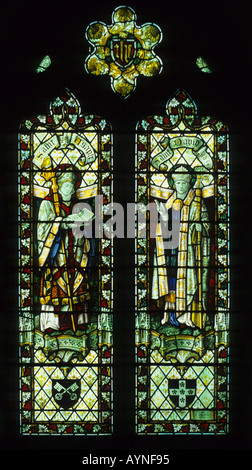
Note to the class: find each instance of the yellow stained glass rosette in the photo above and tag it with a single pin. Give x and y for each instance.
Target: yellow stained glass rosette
(123, 50)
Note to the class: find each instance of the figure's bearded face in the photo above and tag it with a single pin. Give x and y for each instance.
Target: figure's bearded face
(66, 190)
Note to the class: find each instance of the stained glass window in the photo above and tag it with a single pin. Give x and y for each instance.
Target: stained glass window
(65, 272)
(182, 274)
(203, 65)
(123, 50)
(44, 64)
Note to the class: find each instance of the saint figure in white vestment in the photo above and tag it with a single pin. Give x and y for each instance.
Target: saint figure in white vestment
(63, 261)
(180, 275)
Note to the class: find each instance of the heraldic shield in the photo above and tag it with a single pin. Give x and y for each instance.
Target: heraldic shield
(66, 392)
(182, 392)
(123, 50)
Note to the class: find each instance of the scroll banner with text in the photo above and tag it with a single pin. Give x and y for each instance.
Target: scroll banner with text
(44, 150)
(197, 145)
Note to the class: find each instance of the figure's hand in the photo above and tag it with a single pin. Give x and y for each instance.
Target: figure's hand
(67, 222)
(162, 211)
(198, 227)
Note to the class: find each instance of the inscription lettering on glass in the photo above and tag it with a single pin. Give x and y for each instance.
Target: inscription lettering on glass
(123, 50)
(182, 295)
(65, 293)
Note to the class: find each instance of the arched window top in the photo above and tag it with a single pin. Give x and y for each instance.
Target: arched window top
(65, 113)
(181, 110)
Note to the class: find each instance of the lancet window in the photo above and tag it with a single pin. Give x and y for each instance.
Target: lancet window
(182, 272)
(65, 272)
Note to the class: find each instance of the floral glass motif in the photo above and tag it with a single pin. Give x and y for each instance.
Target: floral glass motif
(182, 290)
(123, 50)
(65, 282)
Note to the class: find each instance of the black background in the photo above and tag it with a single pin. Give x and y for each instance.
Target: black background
(220, 32)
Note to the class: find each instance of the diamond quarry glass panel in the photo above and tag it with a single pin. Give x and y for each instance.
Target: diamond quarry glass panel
(65, 272)
(182, 272)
